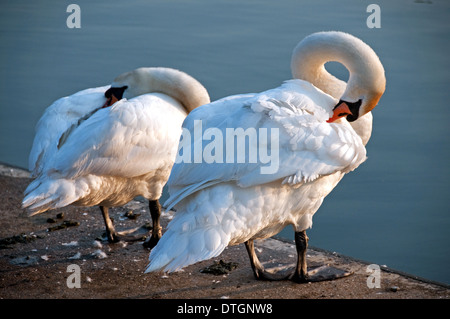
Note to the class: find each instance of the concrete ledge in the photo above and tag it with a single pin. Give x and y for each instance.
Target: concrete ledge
(34, 261)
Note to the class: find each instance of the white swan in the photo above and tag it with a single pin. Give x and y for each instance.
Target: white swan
(87, 152)
(231, 203)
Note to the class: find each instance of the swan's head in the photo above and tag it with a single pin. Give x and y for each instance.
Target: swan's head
(128, 85)
(366, 83)
(177, 84)
(362, 94)
(114, 94)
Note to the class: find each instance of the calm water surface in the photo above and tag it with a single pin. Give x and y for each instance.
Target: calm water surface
(391, 211)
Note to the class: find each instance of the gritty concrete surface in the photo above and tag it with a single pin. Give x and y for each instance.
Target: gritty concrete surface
(40, 256)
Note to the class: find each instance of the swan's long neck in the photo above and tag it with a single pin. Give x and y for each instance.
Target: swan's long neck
(308, 63)
(366, 79)
(179, 85)
(366, 71)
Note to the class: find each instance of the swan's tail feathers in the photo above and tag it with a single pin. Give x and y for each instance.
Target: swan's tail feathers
(41, 196)
(178, 249)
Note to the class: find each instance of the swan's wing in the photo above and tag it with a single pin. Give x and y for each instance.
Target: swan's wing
(305, 148)
(57, 118)
(131, 138)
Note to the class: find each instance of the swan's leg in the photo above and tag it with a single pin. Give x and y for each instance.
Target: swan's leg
(301, 273)
(322, 273)
(155, 213)
(258, 269)
(254, 261)
(301, 270)
(111, 233)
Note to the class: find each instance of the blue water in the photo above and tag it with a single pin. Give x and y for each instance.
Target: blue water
(391, 211)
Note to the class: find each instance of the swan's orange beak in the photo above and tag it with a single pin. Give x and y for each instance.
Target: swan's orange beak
(110, 101)
(339, 111)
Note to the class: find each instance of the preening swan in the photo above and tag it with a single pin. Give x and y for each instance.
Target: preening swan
(106, 145)
(320, 125)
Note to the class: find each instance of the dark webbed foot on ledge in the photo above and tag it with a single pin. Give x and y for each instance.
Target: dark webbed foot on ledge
(300, 274)
(320, 273)
(114, 236)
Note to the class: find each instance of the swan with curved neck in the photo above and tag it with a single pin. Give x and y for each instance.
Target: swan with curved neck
(366, 83)
(87, 154)
(231, 203)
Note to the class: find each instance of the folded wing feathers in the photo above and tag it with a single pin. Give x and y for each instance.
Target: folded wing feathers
(309, 147)
(57, 119)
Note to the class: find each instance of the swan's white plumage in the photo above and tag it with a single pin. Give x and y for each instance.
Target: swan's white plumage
(92, 167)
(222, 204)
(308, 146)
(139, 131)
(87, 154)
(227, 204)
(56, 119)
